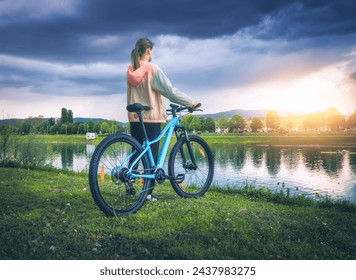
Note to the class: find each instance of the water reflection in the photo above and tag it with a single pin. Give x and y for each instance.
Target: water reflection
(240, 157)
(257, 157)
(291, 158)
(273, 160)
(311, 158)
(309, 169)
(73, 156)
(332, 163)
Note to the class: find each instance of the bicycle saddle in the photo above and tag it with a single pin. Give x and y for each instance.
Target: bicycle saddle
(137, 108)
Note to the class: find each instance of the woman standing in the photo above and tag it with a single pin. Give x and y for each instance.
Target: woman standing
(147, 84)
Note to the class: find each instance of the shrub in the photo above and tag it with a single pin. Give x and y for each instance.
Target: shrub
(34, 150)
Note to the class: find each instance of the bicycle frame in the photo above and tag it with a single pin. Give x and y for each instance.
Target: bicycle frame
(168, 131)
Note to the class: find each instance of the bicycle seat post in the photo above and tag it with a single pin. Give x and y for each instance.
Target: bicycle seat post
(138, 108)
(142, 126)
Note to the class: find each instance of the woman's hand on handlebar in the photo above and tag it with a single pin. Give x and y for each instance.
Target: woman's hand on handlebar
(196, 105)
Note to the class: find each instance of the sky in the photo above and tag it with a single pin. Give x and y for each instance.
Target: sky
(297, 56)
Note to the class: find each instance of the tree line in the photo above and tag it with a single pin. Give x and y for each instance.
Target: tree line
(329, 120)
(65, 125)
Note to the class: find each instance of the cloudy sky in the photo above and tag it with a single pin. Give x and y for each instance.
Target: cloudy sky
(228, 54)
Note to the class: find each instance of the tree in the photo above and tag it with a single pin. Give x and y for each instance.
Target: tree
(313, 121)
(290, 121)
(196, 124)
(64, 115)
(256, 124)
(209, 125)
(25, 127)
(63, 129)
(51, 121)
(74, 128)
(187, 120)
(114, 127)
(43, 127)
(54, 129)
(97, 127)
(335, 120)
(351, 121)
(273, 120)
(104, 128)
(90, 126)
(70, 116)
(81, 128)
(223, 122)
(237, 123)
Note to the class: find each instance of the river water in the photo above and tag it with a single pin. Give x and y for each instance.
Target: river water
(313, 171)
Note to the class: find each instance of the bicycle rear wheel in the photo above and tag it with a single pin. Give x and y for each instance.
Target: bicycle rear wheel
(112, 189)
(191, 163)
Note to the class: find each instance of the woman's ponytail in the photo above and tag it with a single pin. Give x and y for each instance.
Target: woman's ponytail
(135, 58)
(141, 46)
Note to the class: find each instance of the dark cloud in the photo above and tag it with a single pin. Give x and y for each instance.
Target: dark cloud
(54, 49)
(199, 18)
(63, 35)
(302, 20)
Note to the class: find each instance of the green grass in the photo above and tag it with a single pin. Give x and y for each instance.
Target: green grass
(338, 139)
(292, 139)
(51, 215)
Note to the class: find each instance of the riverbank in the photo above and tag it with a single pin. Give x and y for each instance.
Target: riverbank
(301, 139)
(51, 215)
(327, 139)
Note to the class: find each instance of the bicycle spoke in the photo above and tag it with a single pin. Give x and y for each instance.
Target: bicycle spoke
(114, 191)
(195, 163)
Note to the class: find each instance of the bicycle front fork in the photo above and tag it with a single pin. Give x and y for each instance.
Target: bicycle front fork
(190, 164)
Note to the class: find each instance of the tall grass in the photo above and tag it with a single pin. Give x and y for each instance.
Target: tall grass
(51, 215)
(26, 150)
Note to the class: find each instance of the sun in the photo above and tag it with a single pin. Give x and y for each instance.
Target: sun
(312, 92)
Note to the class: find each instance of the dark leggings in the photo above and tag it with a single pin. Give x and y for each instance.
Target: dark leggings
(152, 130)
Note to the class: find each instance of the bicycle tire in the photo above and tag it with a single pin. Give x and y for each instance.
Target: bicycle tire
(197, 180)
(111, 193)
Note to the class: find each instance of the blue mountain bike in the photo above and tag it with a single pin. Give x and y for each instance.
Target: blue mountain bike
(121, 168)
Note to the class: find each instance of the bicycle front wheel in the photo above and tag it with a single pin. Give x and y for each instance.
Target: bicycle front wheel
(113, 190)
(191, 164)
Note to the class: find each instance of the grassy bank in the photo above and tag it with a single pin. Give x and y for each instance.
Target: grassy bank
(292, 139)
(51, 215)
(340, 139)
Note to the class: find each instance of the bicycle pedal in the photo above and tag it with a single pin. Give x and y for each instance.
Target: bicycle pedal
(180, 178)
(130, 191)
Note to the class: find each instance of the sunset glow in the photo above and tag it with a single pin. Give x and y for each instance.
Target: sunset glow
(309, 93)
(286, 57)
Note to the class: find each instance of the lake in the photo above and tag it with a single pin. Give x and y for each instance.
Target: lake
(313, 171)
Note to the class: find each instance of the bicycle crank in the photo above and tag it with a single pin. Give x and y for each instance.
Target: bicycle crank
(161, 177)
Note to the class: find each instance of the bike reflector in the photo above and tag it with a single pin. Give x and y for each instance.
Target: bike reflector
(102, 173)
(201, 152)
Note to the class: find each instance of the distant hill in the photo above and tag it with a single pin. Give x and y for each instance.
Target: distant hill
(9, 121)
(95, 120)
(79, 119)
(244, 113)
(248, 113)
(84, 120)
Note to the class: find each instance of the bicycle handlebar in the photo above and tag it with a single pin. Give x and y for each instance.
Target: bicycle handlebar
(176, 109)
